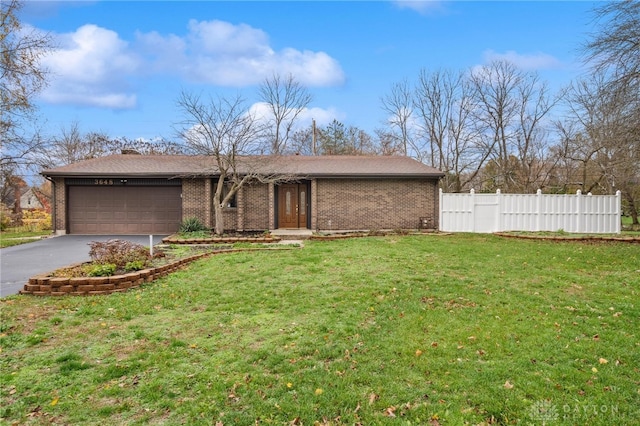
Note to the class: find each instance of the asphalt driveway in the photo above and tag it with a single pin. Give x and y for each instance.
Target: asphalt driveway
(19, 263)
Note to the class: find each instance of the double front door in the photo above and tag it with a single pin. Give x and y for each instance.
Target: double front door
(293, 203)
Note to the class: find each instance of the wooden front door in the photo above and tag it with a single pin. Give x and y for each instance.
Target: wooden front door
(292, 206)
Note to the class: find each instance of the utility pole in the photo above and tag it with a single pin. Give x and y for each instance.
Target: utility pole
(313, 135)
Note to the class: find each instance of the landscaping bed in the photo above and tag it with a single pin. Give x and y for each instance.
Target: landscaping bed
(76, 281)
(328, 236)
(211, 238)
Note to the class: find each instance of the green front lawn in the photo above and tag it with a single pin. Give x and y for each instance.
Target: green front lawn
(16, 236)
(430, 330)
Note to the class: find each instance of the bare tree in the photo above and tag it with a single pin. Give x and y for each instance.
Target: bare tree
(11, 186)
(398, 104)
(224, 129)
(285, 99)
(72, 146)
(301, 142)
(338, 139)
(449, 137)
(598, 140)
(387, 143)
(581, 130)
(512, 106)
(21, 78)
(614, 48)
(495, 88)
(613, 52)
(536, 166)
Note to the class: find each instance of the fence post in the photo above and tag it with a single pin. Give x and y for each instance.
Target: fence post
(500, 212)
(618, 212)
(578, 211)
(440, 215)
(538, 209)
(473, 209)
(588, 221)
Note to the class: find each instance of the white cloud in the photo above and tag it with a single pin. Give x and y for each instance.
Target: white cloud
(94, 66)
(220, 53)
(90, 68)
(421, 6)
(219, 38)
(322, 116)
(527, 62)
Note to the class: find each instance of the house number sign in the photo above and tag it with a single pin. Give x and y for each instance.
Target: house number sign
(103, 181)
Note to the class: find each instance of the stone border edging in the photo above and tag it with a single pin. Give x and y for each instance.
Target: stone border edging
(568, 238)
(336, 237)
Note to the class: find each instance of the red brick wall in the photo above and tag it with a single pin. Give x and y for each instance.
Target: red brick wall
(366, 204)
(256, 207)
(197, 201)
(350, 204)
(194, 199)
(60, 225)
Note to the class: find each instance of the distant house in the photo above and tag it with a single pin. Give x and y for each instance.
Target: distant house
(34, 199)
(141, 194)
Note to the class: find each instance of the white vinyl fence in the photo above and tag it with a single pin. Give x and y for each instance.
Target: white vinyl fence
(486, 213)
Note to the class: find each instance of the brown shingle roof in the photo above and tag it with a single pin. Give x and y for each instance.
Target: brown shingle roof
(310, 166)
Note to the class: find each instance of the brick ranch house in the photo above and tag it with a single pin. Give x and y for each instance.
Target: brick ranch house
(152, 194)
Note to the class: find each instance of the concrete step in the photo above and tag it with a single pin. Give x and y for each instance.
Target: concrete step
(292, 234)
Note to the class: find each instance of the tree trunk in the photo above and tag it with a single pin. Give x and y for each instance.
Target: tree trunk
(219, 215)
(633, 211)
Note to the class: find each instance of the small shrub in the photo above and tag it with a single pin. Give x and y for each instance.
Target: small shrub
(192, 224)
(72, 271)
(118, 252)
(36, 220)
(5, 217)
(136, 265)
(102, 270)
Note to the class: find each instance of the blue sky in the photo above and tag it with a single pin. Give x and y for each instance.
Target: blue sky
(120, 65)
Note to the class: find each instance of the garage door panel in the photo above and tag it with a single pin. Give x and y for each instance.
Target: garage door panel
(124, 210)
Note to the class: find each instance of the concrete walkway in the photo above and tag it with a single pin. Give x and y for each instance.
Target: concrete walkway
(21, 262)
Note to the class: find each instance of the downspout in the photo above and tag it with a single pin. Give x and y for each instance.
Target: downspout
(54, 210)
